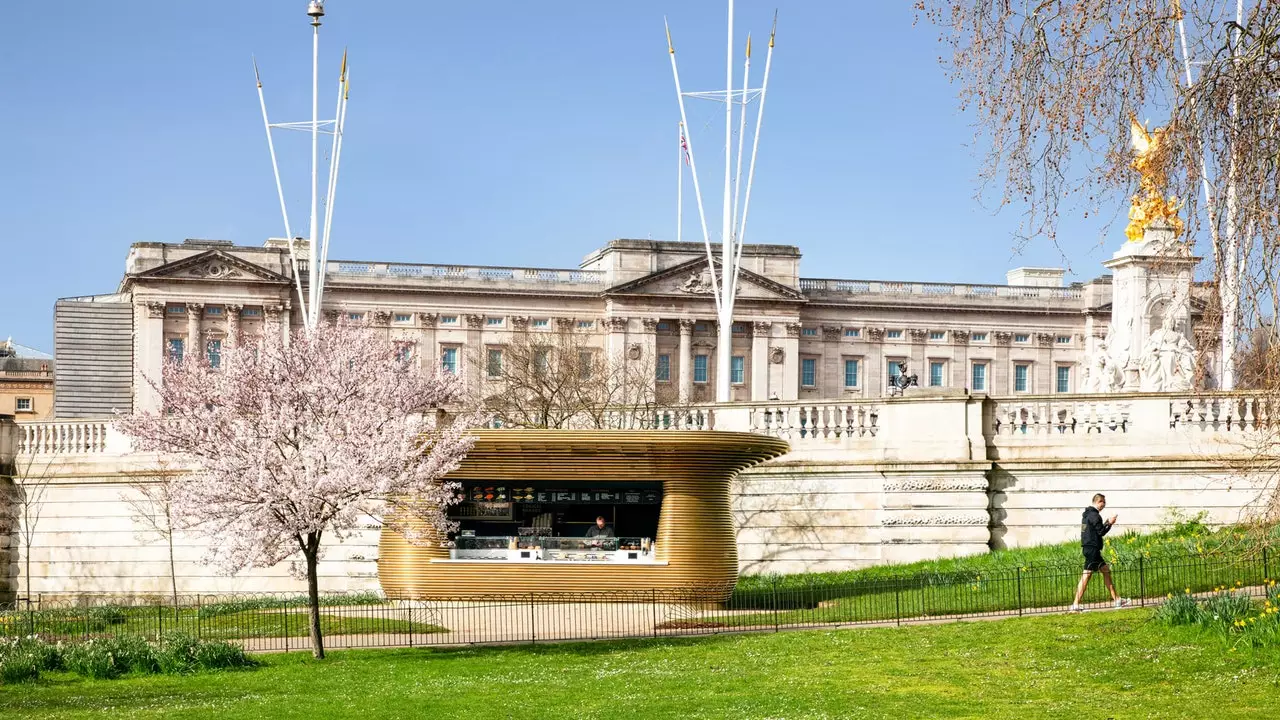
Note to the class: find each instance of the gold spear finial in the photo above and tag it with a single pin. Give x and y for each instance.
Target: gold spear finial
(670, 48)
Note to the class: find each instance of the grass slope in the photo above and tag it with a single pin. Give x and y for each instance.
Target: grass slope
(1184, 538)
(1115, 664)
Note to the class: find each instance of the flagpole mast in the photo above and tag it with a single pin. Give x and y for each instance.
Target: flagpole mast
(680, 185)
(755, 143)
(284, 211)
(339, 125)
(315, 10)
(725, 335)
(693, 170)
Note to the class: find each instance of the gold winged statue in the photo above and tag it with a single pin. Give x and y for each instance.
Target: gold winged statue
(1149, 205)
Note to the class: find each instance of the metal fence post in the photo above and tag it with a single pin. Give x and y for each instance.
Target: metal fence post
(286, 628)
(31, 617)
(1019, 571)
(199, 629)
(653, 597)
(773, 586)
(1266, 565)
(533, 623)
(1142, 582)
(159, 620)
(897, 603)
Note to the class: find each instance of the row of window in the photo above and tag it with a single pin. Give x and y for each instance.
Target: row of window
(214, 310)
(737, 368)
(937, 374)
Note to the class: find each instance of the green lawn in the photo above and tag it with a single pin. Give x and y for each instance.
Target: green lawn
(1113, 664)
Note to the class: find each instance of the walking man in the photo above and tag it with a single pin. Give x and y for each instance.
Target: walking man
(1092, 529)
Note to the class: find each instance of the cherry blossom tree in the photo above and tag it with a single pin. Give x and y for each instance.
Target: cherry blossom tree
(291, 443)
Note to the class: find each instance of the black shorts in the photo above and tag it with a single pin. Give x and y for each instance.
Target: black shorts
(1093, 559)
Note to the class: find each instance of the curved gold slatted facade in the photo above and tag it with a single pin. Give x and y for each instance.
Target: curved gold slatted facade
(695, 536)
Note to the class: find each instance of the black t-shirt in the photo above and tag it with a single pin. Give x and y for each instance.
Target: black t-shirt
(1092, 528)
(600, 532)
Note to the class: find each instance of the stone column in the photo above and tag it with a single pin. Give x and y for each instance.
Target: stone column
(919, 359)
(277, 322)
(1001, 381)
(149, 355)
(195, 313)
(429, 354)
(791, 363)
(760, 332)
(960, 359)
(233, 323)
(616, 340)
(875, 381)
(1047, 379)
(649, 348)
(831, 380)
(475, 348)
(686, 360)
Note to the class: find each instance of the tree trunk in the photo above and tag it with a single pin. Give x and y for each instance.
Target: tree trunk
(173, 573)
(311, 549)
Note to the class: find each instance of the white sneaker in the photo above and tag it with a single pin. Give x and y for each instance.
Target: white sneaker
(1075, 609)
(1122, 602)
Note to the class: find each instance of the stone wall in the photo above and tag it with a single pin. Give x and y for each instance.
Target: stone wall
(934, 474)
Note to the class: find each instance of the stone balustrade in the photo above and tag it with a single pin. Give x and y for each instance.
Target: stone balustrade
(1234, 412)
(70, 437)
(886, 287)
(803, 420)
(1060, 414)
(411, 271)
(1158, 422)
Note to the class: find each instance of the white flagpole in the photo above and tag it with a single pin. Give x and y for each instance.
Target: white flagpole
(755, 143)
(680, 186)
(339, 115)
(313, 287)
(742, 134)
(725, 334)
(693, 171)
(284, 211)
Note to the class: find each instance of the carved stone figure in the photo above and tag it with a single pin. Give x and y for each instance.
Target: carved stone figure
(776, 355)
(698, 283)
(634, 351)
(1167, 362)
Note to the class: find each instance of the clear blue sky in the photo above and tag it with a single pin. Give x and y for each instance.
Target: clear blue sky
(480, 132)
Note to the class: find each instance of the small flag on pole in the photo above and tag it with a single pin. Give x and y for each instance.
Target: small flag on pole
(684, 146)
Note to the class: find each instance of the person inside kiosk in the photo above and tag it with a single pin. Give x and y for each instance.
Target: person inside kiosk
(600, 529)
(611, 522)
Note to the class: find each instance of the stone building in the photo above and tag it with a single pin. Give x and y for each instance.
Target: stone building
(794, 337)
(26, 382)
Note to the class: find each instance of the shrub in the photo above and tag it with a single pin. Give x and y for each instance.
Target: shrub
(18, 667)
(1225, 609)
(23, 659)
(1180, 609)
(92, 659)
(219, 655)
(179, 652)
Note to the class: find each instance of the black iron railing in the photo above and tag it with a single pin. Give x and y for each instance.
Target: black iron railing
(280, 622)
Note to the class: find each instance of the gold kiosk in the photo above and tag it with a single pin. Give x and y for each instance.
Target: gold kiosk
(531, 502)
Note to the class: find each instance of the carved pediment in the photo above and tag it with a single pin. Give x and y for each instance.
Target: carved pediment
(213, 265)
(693, 278)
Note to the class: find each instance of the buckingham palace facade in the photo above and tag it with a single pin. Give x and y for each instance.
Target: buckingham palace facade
(794, 337)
